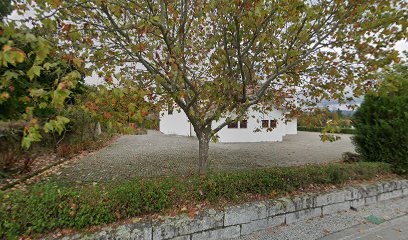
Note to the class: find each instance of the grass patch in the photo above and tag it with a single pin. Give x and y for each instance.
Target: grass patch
(49, 206)
(320, 129)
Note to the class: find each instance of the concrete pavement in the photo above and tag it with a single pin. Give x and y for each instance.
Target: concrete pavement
(346, 225)
(395, 229)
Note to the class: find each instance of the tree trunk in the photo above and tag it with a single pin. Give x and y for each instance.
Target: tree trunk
(203, 146)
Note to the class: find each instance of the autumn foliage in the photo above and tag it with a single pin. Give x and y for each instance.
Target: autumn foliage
(216, 59)
(35, 82)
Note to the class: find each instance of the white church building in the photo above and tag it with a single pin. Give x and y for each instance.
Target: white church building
(270, 127)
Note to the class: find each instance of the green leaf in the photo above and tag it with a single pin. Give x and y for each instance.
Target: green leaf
(59, 96)
(62, 119)
(37, 92)
(34, 71)
(56, 125)
(11, 75)
(42, 105)
(30, 136)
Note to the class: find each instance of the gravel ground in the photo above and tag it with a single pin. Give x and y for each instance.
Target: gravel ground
(322, 227)
(156, 154)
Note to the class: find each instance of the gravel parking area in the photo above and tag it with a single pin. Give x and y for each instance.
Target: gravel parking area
(156, 154)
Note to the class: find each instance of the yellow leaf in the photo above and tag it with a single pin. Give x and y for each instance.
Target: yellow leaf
(55, 3)
(136, 220)
(77, 62)
(20, 56)
(6, 48)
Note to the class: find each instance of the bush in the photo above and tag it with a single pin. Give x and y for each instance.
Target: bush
(81, 127)
(10, 138)
(320, 129)
(47, 206)
(13, 158)
(381, 122)
(350, 157)
(69, 149)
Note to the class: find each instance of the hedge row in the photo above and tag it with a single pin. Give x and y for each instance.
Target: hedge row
(319, 129)
(48, 206)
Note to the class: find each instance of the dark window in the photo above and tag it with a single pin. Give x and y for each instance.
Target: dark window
(274, 123)
(265, 123)
(233, 125)
(243, 124)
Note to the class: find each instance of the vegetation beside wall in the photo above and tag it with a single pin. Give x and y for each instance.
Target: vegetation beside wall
(320, 129)
(326, 122)
(49, 206)
(381, 122)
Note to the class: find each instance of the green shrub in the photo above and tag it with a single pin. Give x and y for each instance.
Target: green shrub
(13, 158)
(81, 126)
(381, 122)
(10, 138)
(48, 206)
(319, 129)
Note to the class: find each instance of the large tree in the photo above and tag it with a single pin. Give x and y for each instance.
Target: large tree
(217, 58)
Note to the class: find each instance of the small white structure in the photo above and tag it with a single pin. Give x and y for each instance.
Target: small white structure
(269, 127)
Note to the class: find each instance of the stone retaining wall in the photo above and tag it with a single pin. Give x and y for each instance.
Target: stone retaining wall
(251, 217)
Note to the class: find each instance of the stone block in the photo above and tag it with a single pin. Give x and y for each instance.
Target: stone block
(184, 225)
(139, 231)
(72, 237)
(362, 191)
(280, 206)
(245, 213)
(357, 203)
(370, 190)
(398, 184)
(136, 232)
(370, 200)
(297, 203)
(394, 185)
(396, 193)
(185, 237)
(304, 202)
(405, 191)
(254, 226)
(374, 190)
(276, 220)
(166, 230)
(303, 215)
(388, 186)
(222, 233)
(337, 207)
(331, 198)
(352, 194)
(390, 195)
(404, 183)
(285, 205)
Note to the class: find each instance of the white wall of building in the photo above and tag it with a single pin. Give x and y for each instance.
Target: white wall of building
(291, 127)
(177, 123)
(254, 131)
